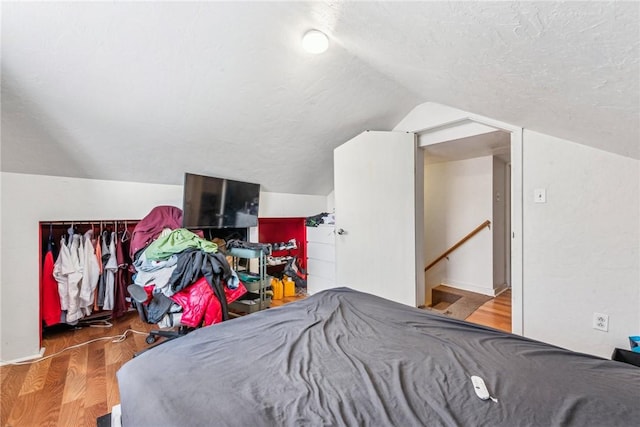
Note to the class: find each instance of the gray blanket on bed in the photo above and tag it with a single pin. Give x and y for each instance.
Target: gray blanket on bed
(345, 358)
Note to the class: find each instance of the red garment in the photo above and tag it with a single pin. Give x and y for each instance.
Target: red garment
(198, 301)
(150, 227)
(50, 302)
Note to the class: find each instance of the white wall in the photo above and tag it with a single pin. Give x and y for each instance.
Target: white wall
(28, 199)
(581, 248)
(273, 205)
(331, 202)
(429, 117)
(576, 254)
(458, 198)
(498, 224)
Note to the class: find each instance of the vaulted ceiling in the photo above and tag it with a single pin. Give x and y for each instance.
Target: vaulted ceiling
(146, 91)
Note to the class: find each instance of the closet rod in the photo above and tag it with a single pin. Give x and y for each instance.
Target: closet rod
(98, 221)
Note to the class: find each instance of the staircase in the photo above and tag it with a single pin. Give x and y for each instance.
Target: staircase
(454, 302)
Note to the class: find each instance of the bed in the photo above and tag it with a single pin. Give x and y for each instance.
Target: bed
(346, 358)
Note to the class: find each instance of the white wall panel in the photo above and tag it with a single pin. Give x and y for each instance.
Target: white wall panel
(28, 199)
(581, 247)
(458, 198)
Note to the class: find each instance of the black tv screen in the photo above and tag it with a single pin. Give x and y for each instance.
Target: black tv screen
(211, 202)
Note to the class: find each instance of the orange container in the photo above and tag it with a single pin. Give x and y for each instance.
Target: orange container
(278, 288)
(289, 287)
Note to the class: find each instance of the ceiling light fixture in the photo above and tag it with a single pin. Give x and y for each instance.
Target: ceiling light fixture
(315, 41)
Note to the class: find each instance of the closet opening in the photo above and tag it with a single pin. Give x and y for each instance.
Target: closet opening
(84, 272)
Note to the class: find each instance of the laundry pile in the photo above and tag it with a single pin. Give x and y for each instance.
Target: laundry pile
(179, 276)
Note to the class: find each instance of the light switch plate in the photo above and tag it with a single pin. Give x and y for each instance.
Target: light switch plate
(540, 195)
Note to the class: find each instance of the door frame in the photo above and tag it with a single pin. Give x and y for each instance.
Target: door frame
(468, 125)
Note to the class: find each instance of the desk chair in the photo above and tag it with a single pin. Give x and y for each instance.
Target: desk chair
(139, 299)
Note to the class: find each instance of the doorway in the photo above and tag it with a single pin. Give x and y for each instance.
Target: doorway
(468, 138)
(360, 209)
(466, 186)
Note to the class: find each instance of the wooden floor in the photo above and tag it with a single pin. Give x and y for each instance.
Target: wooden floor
(495, 313)
(76, 387)
(285, 300)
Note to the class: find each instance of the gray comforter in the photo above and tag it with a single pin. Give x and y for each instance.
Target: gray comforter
(345, 358)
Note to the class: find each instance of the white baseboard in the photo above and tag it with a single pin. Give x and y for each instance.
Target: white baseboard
(23, 359)
(116, 416)
(469, 287)
(500, 289)
(477, 289)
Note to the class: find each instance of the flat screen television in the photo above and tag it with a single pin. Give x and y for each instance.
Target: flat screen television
(211, 202)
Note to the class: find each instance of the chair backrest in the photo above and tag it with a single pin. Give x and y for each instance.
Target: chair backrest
(142, 310)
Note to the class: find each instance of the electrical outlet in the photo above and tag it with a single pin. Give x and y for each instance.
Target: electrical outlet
(540, 195)
(601, 321)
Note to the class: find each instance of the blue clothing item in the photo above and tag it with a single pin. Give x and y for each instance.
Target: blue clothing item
(233, 282)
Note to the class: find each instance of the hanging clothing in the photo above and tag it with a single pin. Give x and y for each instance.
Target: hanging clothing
(90, 274)
(76, 256)
(109, 274)
(104, 243)
(98, 254)
(123, 277)
(61, 270)
(50, 309)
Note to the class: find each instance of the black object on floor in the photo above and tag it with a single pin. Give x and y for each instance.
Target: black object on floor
(626, 356)
(104, 421)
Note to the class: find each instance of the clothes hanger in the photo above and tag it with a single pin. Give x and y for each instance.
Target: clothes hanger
(50, 241)
(104, 232)
(125, 233)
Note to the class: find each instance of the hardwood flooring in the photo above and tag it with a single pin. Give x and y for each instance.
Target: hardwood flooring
(495, 313)
(79, 385)
(285, 300)
(75, 387)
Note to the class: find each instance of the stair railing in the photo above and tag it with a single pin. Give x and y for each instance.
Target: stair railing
(487, 223)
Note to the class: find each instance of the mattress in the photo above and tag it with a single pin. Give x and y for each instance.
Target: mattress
(346, 358)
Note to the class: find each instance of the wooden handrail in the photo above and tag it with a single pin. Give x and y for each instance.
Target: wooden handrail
(487, 223)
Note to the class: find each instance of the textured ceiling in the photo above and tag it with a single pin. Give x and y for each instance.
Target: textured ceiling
(147, 91)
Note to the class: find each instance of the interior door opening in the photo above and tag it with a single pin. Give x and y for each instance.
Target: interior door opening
(467, 181)
(395, 201)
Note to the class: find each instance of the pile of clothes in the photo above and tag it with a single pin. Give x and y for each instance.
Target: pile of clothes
(320, 219)
(180, 277)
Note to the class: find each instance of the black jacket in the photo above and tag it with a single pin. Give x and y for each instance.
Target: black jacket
(192, 265)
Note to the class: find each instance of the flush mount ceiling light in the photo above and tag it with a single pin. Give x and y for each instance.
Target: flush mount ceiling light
(315, 41)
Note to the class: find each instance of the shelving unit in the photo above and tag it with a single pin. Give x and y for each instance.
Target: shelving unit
(256, 283)
(280, 230)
